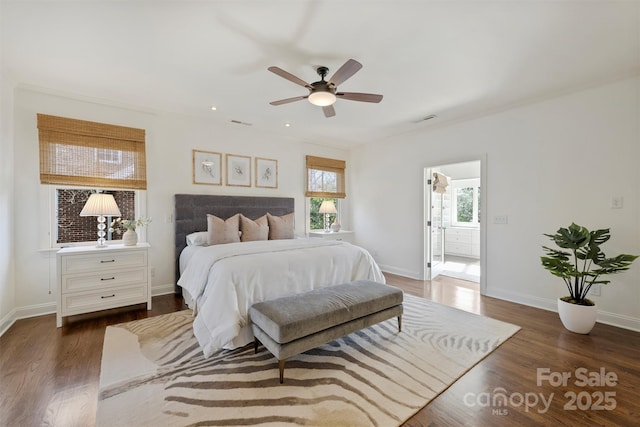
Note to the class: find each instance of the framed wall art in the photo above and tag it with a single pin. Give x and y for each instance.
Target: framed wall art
(207, 167)
(238, 170)
(266, 173)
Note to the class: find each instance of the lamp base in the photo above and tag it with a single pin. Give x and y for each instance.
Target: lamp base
(101, 233)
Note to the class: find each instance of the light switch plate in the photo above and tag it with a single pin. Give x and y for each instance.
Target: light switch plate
(501, 219)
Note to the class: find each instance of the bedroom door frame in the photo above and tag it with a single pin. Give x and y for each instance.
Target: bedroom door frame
(427, 192)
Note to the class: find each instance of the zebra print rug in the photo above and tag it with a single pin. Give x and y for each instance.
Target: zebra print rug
(154, 374)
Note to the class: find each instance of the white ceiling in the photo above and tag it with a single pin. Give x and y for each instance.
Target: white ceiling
(455, 59)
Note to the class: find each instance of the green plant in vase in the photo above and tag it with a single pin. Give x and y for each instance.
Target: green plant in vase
(581, 263)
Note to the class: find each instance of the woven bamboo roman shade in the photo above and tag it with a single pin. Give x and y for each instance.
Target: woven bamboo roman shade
(78, 152)
(325, 177)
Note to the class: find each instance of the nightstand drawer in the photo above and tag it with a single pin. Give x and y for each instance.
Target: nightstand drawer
(82, 302)
(103, 261)
(100, 280)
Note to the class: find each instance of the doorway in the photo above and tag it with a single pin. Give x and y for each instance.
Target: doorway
(454, 232)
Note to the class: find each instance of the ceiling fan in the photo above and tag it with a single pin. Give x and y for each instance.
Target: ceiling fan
(324, 93)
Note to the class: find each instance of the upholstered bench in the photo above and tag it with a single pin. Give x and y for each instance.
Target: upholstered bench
(294, 324)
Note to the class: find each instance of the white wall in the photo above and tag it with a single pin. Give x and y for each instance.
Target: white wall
(7, 284)
(548, 164)
(169, 141)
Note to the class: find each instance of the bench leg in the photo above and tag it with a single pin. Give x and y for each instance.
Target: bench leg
(399, 323)
(281, 369)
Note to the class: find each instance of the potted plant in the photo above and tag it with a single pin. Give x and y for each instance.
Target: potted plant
(581, 265)
(129, 237)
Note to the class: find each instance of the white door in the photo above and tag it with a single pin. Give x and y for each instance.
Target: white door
(435, 227)
(438, 210)
(428, 229)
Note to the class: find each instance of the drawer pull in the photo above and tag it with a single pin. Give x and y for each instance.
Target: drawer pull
(103, 261)
(108, 296)
(108, 278)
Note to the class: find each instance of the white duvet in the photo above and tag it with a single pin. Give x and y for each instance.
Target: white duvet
(225, 280)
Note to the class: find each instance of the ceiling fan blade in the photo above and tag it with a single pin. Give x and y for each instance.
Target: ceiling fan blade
(288, 100)
(329, 111)
(347, 70)
(362, 97)
(284, 74)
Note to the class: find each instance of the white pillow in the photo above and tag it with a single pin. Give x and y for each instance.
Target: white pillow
(199, 238)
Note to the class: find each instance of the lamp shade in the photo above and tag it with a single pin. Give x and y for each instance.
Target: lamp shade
(440, 183)
(328, 207)
(100, 204)
(322, 98)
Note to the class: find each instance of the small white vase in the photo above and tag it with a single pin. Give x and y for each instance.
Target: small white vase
(130, 238)
(335, 226)
(577, 318)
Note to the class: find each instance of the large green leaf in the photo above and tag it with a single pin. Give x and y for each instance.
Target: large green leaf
(573, 237)
(582, 267)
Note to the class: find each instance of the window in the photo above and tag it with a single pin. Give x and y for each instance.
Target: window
(78, 156)
(108, 156)
(465, 204)
(325, 177)
(73, 228)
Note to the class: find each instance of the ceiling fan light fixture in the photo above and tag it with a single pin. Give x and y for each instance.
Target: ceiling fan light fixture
(322, 98)
(324, 93)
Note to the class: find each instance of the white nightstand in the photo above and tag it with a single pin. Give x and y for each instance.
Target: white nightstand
(93, 279)
(347, 236)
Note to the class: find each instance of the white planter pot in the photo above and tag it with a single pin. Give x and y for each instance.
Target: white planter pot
(577, 318)
(130, 238)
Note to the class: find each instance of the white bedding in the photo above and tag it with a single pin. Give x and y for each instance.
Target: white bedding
(223, 281)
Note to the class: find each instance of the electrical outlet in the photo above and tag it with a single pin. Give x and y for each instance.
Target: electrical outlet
(153, 272)
(617, 202)
(501, 219)
(595, 290)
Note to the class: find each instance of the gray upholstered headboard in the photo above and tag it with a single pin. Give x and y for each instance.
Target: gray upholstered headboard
(190, 213)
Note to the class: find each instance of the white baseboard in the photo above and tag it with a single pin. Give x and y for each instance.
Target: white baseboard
(613, 319)
(7, 321)
(26, 312)
(530, 300)
(401, 272)
(169, 288)
(605, 317)
(50, 307)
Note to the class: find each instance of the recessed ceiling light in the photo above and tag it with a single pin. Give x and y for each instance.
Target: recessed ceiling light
(213, 108)
(287, 125)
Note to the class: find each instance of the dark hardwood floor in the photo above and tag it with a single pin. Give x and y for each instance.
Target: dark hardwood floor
(49, 375)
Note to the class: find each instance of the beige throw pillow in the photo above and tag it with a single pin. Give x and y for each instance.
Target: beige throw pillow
(254, 230)
(223, 231)
(281, 227)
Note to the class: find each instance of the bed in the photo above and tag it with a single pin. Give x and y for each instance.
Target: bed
(220, 282)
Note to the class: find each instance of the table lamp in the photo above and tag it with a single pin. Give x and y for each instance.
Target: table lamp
(100, 205)
(327, 207)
